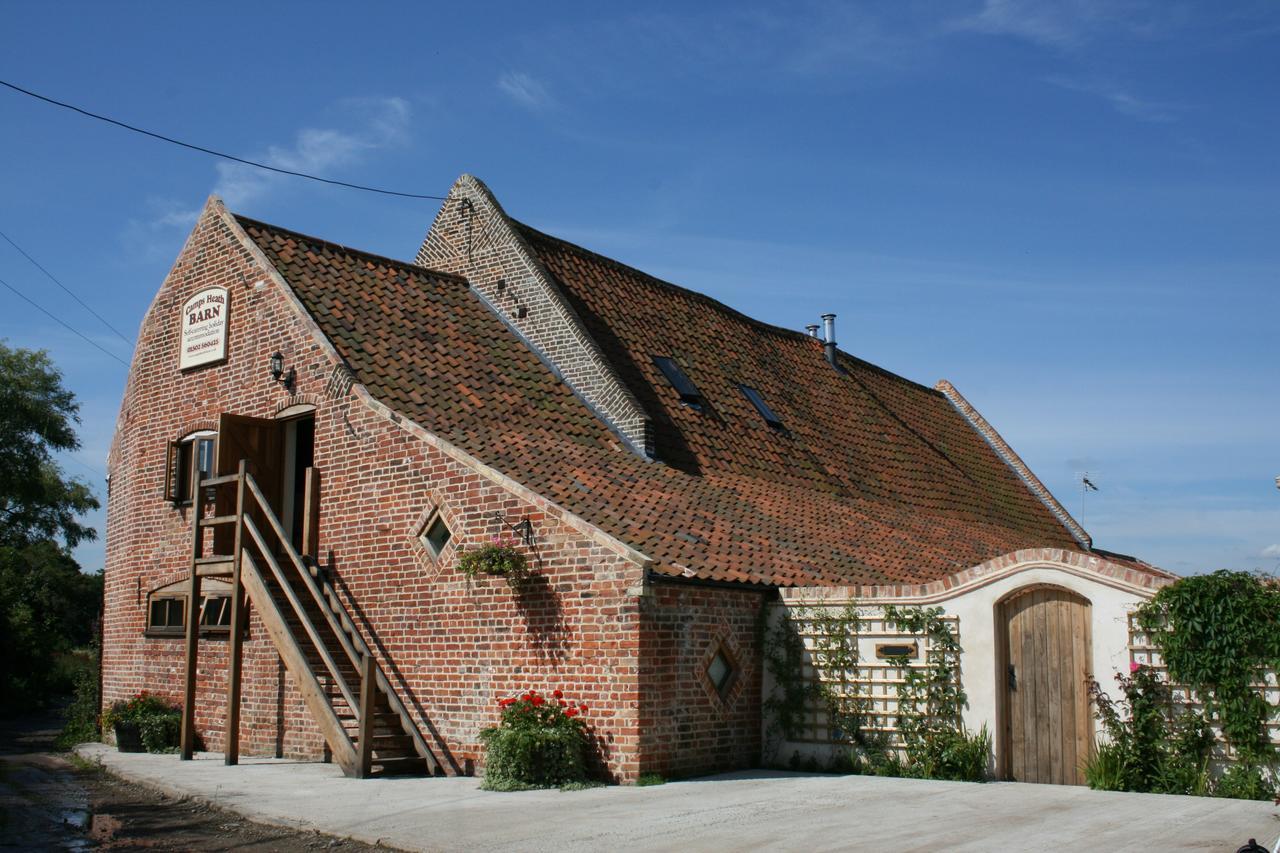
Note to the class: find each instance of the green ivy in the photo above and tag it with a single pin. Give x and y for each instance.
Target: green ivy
(1219, 635)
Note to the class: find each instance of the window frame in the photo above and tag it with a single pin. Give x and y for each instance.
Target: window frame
(424, 535)
(765, 411)
(690, 394)
(179, 489)
(179, 599)
(732, 673)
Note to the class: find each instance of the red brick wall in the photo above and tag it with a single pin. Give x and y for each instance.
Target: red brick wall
(452, 647)
(687, 727)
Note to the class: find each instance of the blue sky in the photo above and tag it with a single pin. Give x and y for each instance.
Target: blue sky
(1068, 209)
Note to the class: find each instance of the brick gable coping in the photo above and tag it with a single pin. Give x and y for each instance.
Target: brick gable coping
(473, 236)
(1013, 460)
(1129, 575)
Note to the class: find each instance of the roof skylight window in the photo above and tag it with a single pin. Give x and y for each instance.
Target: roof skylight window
(689, 393)
(761, 406)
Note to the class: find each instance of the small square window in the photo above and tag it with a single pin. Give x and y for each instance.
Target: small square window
(721, 672)
(436, 535)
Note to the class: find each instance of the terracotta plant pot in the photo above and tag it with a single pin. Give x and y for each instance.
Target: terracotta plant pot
(128, 737)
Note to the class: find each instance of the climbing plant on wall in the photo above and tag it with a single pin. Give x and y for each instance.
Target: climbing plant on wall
(930, 699)
(1219, 635)
(931, 702)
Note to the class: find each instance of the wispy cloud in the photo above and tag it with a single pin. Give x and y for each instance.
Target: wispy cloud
(1119, 99)
(380, 123)
(1066, 23)
(525, 90)
(364, 125)
(1271, 552)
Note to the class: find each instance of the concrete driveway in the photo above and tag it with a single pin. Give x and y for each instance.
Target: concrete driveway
(739, 811)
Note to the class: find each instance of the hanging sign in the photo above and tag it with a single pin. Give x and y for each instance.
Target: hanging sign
(204, 328)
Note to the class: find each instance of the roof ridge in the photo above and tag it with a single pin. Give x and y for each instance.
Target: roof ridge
(408, 266)
(714, 303)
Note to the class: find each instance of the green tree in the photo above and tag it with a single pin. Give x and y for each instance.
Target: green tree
(47, 605)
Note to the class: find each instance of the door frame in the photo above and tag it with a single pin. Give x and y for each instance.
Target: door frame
(1003, 738)
(285, 418)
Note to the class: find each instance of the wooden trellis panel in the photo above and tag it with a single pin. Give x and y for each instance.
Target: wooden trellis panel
(875, 680)
(1143, 652)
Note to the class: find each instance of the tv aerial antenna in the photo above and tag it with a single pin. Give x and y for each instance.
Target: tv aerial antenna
(1087, 485)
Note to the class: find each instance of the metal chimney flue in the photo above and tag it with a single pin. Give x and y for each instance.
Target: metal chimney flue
(811, 330)
(829, 337)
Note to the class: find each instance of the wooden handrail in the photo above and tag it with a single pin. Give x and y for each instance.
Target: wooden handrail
(301, 568)
(301, 613)
(355, 760)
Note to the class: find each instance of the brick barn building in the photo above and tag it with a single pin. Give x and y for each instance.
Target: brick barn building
(671, 468)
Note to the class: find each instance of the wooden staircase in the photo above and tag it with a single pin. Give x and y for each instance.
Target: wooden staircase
(367, 728)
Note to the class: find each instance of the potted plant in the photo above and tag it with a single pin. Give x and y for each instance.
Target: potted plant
(540, 742)
(145, 723)
(500, 558)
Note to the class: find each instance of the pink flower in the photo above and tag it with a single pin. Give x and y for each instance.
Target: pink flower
(1134, 666)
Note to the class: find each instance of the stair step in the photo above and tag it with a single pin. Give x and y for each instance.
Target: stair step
(400, 766)
(214, 520)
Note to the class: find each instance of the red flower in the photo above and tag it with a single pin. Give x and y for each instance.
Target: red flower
(538, 700)
(582, 708)
(506, 702)
(563, 703)
(1134, 666)
(571, 712)
(559, 694)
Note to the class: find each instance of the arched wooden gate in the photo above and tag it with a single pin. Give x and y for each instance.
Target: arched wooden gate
(1044, 638)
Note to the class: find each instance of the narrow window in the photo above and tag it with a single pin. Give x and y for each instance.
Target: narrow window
(436, 535)
(689, 393)
(762, 407)
(178, 479)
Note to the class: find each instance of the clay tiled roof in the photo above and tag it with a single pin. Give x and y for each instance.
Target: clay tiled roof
(875, 480)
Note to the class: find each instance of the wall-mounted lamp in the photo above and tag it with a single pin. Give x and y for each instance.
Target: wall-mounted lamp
(278, 372)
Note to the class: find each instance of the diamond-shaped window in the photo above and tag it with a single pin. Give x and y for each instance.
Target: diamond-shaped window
(436, 535)
(722, 672)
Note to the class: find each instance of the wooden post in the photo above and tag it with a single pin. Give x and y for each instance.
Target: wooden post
(188, 736)
(235, 654)
(311, 514)
(368, 694)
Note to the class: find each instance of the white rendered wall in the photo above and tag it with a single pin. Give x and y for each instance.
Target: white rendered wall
(1109, 610)
(976, 606)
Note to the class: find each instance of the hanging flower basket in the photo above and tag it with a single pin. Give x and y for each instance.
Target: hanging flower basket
(499, 558)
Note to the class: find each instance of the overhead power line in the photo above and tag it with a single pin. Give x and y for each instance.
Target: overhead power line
(212, 152)
(83, 304)
(63, 323)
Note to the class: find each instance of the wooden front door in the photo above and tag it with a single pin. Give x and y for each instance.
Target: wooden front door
(258, 440)
(1048, 729)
